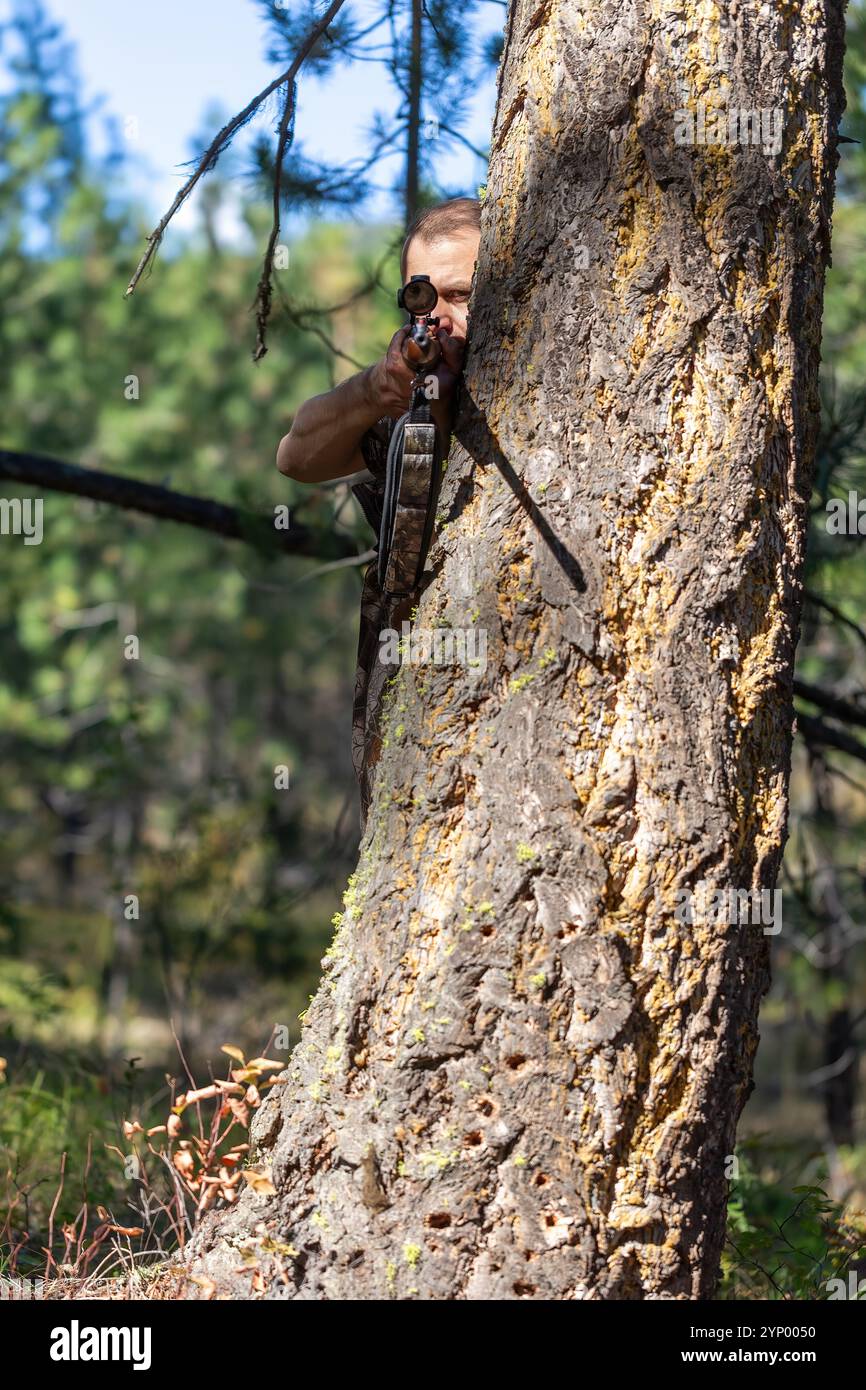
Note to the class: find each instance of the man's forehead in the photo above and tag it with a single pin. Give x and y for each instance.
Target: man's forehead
(448, 257)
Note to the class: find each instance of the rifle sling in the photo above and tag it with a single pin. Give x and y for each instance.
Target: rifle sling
(412, 477)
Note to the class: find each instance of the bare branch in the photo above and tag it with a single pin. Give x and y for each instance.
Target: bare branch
(223, 139)
(335, 565)
(837, 705)
(36, 471)
(835, 612)
(287, 129)
(300, 315)
(455, 135)
(817, 734)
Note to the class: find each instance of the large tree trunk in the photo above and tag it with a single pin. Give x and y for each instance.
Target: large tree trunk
(522, 1073)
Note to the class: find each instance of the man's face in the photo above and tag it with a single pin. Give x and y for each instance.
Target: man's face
(449, 261)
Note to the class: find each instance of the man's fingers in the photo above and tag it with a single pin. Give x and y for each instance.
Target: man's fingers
(396, 361)
(397, 341)
(452, 351)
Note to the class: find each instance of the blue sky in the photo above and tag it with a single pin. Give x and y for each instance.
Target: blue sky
(163, 64)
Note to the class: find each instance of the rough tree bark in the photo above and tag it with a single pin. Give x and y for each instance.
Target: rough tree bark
(522, 1073)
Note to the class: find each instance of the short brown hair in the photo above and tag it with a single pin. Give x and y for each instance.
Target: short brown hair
(442, 220)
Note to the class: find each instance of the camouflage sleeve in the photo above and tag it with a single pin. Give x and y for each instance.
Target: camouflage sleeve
(374, 448)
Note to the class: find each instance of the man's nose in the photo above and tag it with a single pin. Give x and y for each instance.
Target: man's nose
(445, 320)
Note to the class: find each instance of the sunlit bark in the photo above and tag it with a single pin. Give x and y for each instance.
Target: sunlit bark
(522, 1073)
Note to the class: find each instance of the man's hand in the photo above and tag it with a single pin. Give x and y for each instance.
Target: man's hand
(390, 379)
(449, 369)
(324, 441)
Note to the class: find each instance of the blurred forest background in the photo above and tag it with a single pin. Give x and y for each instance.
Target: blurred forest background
(155, 776)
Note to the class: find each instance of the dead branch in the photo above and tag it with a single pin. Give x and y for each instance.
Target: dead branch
(223, 139)
(33, 470)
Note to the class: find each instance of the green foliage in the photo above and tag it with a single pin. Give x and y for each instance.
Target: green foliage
(51, 1111)
(155, 776)
(785, 1241)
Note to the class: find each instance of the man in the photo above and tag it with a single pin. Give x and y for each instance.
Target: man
(346, 431)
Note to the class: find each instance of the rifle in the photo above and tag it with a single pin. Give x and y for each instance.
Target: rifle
(414, 465)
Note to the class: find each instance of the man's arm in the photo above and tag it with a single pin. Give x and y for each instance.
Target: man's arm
(324, 441)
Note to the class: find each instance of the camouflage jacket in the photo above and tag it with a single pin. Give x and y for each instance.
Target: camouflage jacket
(377, 614)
